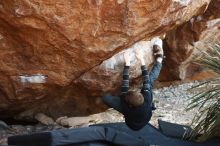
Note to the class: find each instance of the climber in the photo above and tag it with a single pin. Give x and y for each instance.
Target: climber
(137, 106)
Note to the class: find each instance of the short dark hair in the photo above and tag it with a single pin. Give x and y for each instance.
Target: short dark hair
(134, 98)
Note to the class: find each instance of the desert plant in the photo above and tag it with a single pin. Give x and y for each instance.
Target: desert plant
(207, 102)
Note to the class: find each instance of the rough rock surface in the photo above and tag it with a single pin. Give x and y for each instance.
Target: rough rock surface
(47, 45)
(181, 42)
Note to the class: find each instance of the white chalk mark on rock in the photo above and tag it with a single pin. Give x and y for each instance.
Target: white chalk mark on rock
(183, 2)
(35, 79)
(120, 1)
(19, 12)
(1, 36)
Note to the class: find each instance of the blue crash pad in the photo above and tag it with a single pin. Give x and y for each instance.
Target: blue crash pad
(112, 134)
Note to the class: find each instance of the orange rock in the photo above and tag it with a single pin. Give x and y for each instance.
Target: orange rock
(63, 40)
(181, 44)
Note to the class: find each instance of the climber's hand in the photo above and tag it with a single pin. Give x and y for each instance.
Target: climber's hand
(158, 49)
(127, 58)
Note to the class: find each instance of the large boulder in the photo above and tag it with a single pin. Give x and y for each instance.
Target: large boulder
(183, 43)
(48, 46)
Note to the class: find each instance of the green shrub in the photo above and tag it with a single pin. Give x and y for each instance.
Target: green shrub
(207, 120)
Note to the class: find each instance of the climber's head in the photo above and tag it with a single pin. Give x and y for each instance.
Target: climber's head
(134, 98)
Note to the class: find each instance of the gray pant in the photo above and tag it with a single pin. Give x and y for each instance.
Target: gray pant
(94, 134)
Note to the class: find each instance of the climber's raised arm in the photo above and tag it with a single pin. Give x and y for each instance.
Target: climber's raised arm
(158, 55)
(125, 81)
(146, 82)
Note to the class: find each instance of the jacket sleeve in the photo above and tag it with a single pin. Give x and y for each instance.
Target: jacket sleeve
(146, 81)
(125, 81)
(155, 71)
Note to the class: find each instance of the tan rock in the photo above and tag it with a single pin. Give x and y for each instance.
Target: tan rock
(104, 117)
(44, 119)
